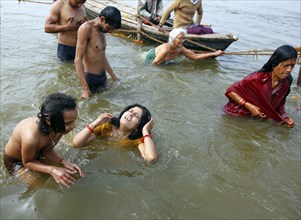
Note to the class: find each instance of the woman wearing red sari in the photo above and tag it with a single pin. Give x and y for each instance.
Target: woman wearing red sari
(263, 93)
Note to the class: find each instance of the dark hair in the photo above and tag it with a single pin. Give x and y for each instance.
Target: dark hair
(145, 117)
(53, 108)
(281, 54)
(112, 15)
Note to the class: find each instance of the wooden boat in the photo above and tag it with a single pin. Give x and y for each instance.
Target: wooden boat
(129, 23)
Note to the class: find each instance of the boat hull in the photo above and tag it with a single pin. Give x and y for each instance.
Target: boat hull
(206, 42)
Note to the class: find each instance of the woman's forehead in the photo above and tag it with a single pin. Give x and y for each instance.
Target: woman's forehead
(137, 109)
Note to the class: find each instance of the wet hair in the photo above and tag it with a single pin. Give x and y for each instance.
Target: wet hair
(281, 54)
(112, 15)
(53, 108)
(145, 117)
(174, 33)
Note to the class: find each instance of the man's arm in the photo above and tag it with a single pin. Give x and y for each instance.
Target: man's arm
(199, 14)
(52, 23)
(165, 14)
(81, 46)
(199, 56)
(29, 149)
(52, 20)
(109, 69)
(160, 57)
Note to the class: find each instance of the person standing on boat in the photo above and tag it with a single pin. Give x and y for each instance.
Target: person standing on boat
(151, 10)
(34, 138)
(90, 60)
(65, 18)
(263, 93)
(184, 11)
(166, 52)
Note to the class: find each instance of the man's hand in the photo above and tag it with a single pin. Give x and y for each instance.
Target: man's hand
(62, 176)
(86, 94)
(73, 26)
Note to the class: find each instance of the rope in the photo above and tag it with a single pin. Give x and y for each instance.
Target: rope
(39, 2)
(201, 45)
(263, 52)
(243, 53)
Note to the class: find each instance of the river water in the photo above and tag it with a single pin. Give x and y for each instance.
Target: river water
(211, 165)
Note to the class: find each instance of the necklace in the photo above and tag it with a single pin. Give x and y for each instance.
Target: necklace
(52, 142)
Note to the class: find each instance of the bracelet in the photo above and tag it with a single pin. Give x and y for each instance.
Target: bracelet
(61, 160)
(147, 135)
(241, 102)
(90, 129)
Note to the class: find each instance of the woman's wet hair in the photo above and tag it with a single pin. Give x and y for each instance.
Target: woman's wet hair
(112, 15)
(281, 54)
(145, 117)
(52, 109)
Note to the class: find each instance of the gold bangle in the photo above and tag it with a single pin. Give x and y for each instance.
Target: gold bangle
(240, 101)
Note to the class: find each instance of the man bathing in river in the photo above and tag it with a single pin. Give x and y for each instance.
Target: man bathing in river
(90, 60)
(65, 18)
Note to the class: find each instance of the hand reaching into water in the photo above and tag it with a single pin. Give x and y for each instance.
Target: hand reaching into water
(62, 176)
(72, 168)
(290, 122)
(254, 110)
(86, 94)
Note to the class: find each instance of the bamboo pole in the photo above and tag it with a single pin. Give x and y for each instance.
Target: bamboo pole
(299, 77)
(139, 21)
(299, 62)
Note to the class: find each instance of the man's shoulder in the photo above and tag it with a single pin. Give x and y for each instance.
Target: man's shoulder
(164, 47)
(86, 27)
(57, 6)
(28, 129)
(59, 3)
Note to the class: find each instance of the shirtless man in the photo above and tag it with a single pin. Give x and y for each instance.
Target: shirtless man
(65, 18)
(34, 138)
(166, 52)
(90, 60)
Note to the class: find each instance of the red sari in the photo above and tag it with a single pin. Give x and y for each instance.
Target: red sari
(256, 89)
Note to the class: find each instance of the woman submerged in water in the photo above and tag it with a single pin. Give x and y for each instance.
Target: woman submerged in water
(133, 126)
(263, 93)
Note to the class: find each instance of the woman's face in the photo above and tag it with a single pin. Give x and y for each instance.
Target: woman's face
(69, 120)
(131, 118)
(283, 69)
